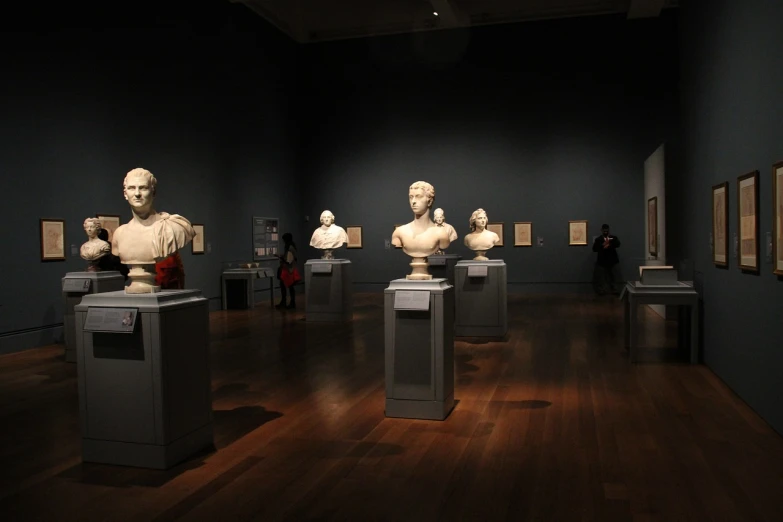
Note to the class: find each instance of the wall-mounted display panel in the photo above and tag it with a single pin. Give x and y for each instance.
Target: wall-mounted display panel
(266, 237)
(748, 222)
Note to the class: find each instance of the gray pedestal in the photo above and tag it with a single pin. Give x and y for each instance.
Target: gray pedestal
(76, 285)
(481, 299)
(419, 345)
(145, 390)
(329, 290)
(238, 285)
(443, 266)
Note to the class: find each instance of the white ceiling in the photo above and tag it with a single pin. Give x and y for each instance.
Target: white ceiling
(320, 20)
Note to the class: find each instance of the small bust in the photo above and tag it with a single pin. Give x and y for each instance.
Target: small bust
(421, 237)
(480, 239)
(440, 220)
(149, 236)
(95, 248)
(328, 236)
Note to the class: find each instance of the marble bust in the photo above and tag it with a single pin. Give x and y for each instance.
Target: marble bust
(421, 237)
(149, 236)
(480, 239)
(328, 236)
(95, 248)
(439, 217)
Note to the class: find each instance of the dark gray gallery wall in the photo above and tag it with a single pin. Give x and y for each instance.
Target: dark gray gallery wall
(202, 96)
(732, 112)
(544, 122)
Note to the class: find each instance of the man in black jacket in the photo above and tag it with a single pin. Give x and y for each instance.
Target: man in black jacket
(606, 265)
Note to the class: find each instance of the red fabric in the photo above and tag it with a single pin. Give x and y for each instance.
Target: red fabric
(170, 273)
(290, 277)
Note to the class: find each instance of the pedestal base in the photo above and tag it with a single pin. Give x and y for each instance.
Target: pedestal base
(481, 299)
(419, 348)
(442, 265)
(76, 285)
(328, 290)
(144, 385)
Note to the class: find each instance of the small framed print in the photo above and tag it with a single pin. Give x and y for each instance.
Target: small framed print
(497, 228)
(777, 218)
(354, 237)
(197, 245)
(52, 239)
(748, 222)
(652, 225)
(577, 232)
(109, 222)
(523, 233)
(720, 225)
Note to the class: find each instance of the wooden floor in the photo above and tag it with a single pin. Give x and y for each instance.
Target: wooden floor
(552, 424)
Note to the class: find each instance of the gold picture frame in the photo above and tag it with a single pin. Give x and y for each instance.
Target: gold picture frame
(523, 233)
(577, 232)
(652, 225)
(747, 221)
(497, 228)
(109, 222)
(354, 233)
(52, 239)
(720, 225)
(198, 243)
(777, 218)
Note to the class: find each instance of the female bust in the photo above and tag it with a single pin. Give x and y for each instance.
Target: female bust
(480, 239)
(95, 248)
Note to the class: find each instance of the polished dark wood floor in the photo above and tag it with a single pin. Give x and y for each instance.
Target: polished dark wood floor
(552, 424)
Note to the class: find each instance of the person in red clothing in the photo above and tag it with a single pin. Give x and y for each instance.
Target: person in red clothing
(170, 273)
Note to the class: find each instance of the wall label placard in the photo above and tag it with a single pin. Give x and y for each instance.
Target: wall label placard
(110, 319)
(437, 261)
(411, 300)
(76, 285)
(322, 268)
(477, 271)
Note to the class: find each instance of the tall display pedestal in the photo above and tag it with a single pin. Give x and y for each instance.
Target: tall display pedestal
(239, 288)
(419, 342)
(144, 381)
(75, 286)
(482, 299)
(329, 290)
(443, 266)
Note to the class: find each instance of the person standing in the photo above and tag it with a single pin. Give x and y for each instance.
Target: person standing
(606, 246)
(287, 272)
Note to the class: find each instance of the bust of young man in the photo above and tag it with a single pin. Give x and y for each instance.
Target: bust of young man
(328, 236)
(421, 237)
(480, 238)
(149, 236)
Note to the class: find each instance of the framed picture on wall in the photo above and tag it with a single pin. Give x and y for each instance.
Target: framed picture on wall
(354, 237)
(197, 245)
(748, 222)
(523, 233)
(720, 225)
(497, 228)
(109, 222)
(52, 239)
(652, 225)
(577, 232)
(777, 218)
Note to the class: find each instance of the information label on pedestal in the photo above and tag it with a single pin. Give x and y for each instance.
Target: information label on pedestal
(264, 273)
(477, 271)
(76, 285)
(438, 261)
(321, 268)
(411, 300)
(119, 320)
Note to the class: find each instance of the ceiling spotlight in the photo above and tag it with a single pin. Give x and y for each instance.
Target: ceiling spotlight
(435, 13)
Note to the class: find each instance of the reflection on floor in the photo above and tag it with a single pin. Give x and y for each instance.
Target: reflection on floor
(552, 423)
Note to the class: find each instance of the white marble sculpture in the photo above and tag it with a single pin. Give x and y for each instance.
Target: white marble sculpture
(480, 239)
(440, 219)
(95, 248)
(150, 235)
(328, 236)
(421, 237)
